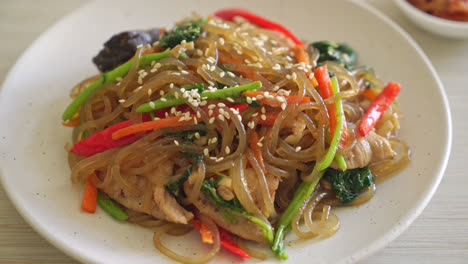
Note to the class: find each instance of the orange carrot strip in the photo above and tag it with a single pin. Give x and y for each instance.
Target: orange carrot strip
(303, 56)
(257, 150)
(72, 123)
(149, 126)
(274, 102)
(206, 235)
(370, 94)
(270, 118)
(89, 202)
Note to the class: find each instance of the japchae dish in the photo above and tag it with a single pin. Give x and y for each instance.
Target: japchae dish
(231, 125)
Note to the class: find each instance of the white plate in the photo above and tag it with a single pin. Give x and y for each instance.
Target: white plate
(33, 162)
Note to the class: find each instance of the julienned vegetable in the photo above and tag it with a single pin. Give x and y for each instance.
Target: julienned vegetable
(331, 51)
(88, 204)
(188, 31)
(227, 242)
(234, 207)
(229, 14)
(173, 187)
(307, 187)
(283, 226)
(378, 107)
(149, 126)
(108, 205)
(218, 94)
(348, 184)
(108, 77)
(103, 141)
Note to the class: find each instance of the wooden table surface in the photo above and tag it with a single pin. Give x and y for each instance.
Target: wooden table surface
(439, 235)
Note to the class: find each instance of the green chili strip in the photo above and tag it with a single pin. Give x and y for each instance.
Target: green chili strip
(218, 94)
(108, 77)
(341, 162)
(111, 208)
(328, 158)
(303, 192)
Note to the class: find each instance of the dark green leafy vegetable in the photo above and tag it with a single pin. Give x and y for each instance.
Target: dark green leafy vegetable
(348, 184)
(188, 136)
(331, 51)
(209, 189)
(188, 31)
(173, 187)
(108, 205)
(234, 207)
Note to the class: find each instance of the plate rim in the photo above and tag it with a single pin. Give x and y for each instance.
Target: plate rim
(383, 240)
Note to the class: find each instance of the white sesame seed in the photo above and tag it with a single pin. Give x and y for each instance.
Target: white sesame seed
(211, 83)
(276, 88)
(294, 76)
(263, 110)
(221, 74)
(161, 92)
(140, 80)
(184, 72)
(280, 99)
(122, 101)
(197, 135)
(298, 149)
(199, 52)
(259, 97)
(227, 115)
(221, 117)
(228, 150)
(263, 117)
(214, 140)
(202, 103)
(231, 74)
(219, 159)
(221, 41)
(176, 142)
(221, 111)
(288, 76)
(230, 99)
(276, 67)
(210, 112)
(213, 158)
(166, 114)
(151, 104)
(195, 120)
(213, 68)
(211, 121)
(206, 152)
(211, 59)
(251, 124)
(221, 105)
(255, 114)
(249, 100)
(211, 106)
(311, 75)
(163, 99)
(259, 144)
(261, 139)
(181, 119)
(283, 106)
(150, 92)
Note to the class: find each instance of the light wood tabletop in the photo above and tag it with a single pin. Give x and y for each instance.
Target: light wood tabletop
(440, 233)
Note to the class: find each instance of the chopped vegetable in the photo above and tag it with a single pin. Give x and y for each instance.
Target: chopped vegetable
(188, 31)
(108, 205)
(227, 242)
(229, 14)
(370, 94)
(276, 99)
(331, 51)
(339, 116)
(108, 77)
(169, 101)
(283, 226)
(121, 47)
(303, 57)
(234, 207)
(378, 107)
(326, 90)
(72, 123)
(174, 186)
(88, 204)
(103, 141)
(149, 126)
(205, 231)
(348, 184)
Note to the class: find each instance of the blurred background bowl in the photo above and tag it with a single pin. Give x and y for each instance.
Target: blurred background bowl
(439, 26)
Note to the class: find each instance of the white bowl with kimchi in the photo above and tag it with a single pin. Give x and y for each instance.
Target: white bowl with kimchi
(448, 24)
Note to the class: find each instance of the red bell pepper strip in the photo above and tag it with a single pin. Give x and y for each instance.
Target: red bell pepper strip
(230, 13)
(103, 141)
(227, 242)
(89, 202)
(378, 107)
(325, 88)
